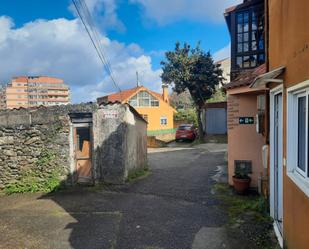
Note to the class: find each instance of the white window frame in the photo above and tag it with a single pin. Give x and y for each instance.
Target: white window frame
(151, 99)
(298, 176)
(163, 118)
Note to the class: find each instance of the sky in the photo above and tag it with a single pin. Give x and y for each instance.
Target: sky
(45, 37)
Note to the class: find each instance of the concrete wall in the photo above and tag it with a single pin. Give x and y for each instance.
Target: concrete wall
(120, 144)
(289, 47)
(244, 143)
(40, 140)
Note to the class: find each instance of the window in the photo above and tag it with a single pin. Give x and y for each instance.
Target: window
(163, 120)
(298, 136)
(143, 99)
(249, 35)
(301, 133)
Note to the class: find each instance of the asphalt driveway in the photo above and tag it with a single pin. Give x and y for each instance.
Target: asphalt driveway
(173, 208)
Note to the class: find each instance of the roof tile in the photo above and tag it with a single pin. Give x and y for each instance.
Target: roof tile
(245, 78)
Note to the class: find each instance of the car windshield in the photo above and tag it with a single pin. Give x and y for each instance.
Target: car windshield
(184, 127)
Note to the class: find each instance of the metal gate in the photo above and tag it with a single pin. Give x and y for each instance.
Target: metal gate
(216, 121)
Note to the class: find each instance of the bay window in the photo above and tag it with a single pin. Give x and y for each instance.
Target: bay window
(249, 38)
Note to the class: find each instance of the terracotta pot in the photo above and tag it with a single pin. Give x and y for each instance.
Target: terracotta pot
(241, 186)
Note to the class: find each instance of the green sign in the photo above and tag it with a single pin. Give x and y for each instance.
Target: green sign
(246, 120)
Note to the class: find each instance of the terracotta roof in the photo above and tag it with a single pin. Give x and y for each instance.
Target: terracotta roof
(246, 78)
(123, 95)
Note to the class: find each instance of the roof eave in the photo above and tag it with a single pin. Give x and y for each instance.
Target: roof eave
(269, 77)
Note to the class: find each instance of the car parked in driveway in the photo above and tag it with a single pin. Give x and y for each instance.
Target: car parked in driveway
(186, 132)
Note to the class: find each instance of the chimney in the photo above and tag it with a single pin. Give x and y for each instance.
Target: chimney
(165, 93)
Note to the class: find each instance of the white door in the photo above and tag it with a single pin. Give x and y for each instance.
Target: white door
(277, 162)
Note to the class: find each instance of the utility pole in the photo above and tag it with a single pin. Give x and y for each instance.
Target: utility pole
(137, 83)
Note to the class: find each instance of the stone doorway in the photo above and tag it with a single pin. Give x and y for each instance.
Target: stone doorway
(82, 147)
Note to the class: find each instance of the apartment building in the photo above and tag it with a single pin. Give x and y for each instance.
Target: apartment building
(2, 98)
(225, 65)
(30, 91)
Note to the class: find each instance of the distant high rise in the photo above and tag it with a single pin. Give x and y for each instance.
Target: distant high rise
(2, 98)
(31, 91)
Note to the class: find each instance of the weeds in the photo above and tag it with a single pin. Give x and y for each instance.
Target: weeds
(38, 178)
(138, 173)
(248, 217)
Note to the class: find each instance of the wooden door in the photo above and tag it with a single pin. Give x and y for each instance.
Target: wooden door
(82, 149)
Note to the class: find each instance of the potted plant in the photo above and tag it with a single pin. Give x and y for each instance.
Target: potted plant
(241, 181)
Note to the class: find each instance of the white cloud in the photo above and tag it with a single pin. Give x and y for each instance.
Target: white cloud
(223, 53)
(61, 48)
(168, 11)
(104, 12)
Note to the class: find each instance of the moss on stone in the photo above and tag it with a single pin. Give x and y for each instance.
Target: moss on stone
(138, 173)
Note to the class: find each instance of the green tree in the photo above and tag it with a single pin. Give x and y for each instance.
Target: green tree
(194, 70)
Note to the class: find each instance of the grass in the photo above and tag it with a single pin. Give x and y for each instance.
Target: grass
(138, 173)
(35, 179)
(32, 182)
(248, 217)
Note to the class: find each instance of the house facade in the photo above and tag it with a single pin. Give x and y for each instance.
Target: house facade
(246, 110)
(152, 106)
(288, 80)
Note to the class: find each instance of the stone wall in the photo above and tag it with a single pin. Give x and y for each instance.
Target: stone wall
(36, 142)
(39, 142)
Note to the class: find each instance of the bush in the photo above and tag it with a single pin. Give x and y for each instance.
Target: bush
(189, 115)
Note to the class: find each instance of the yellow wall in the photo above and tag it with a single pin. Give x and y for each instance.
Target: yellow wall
(154, 114)
(289, 47)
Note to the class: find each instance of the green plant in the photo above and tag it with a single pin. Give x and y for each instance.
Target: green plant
(248, 215)
(31, 182)
(193, 70)
(35, 179)
(218, 96)
(45, 157)
(241, 173)
(188, 115)
(137, 173)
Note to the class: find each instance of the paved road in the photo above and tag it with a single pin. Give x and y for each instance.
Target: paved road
(173, 208)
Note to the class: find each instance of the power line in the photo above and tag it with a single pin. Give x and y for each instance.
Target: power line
(84, 13)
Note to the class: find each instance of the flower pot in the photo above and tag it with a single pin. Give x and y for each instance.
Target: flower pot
(241, 185)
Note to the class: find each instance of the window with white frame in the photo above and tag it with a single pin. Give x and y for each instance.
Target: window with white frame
(297, 133)
(143, 99)
(163, 120)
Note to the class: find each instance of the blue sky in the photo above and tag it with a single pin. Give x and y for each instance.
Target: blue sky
(45, 37)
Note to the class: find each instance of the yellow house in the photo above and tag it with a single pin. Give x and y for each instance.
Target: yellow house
(154, 107)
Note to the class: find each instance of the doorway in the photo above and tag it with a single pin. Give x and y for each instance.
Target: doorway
(276, 174)
(82, 147)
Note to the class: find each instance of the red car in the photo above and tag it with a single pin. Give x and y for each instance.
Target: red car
(186, 132)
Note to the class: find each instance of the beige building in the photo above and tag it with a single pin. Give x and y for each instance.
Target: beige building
(2, 98)
(30, 91)
(226, 68)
